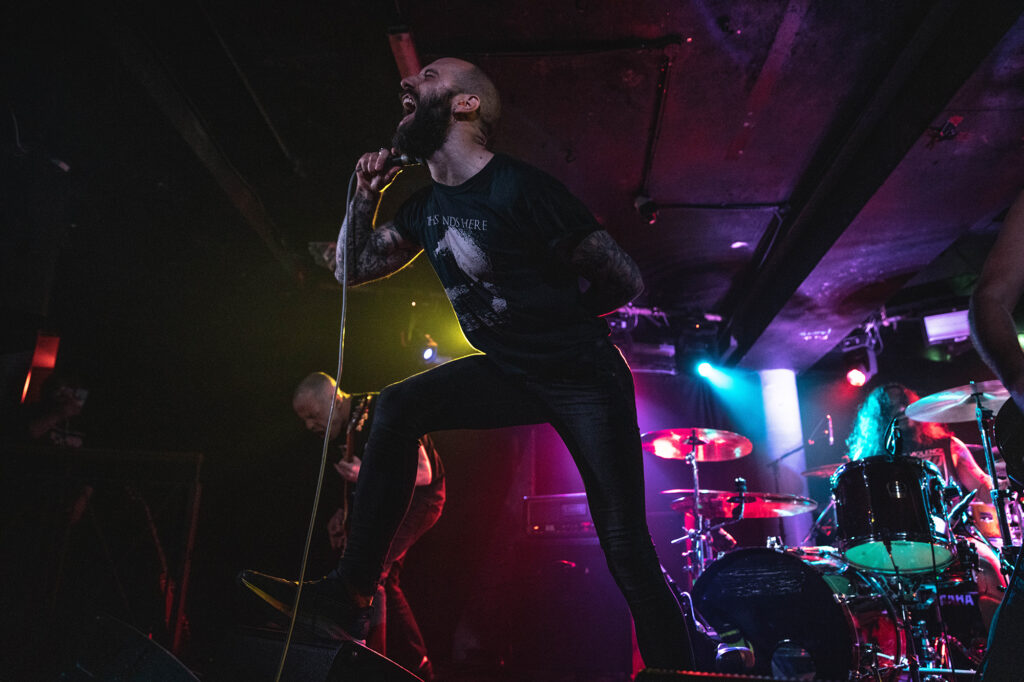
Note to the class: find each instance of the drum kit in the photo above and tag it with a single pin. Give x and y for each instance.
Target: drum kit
(897, 596)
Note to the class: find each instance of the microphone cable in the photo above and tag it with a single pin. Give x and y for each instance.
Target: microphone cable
(341, 257)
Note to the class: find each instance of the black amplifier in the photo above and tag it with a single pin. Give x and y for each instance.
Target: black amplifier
(558, 516)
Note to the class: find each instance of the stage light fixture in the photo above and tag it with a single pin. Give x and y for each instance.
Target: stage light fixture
(647, 208)
(715, 376)
(861, 366)
(946, 327)
(429, 353)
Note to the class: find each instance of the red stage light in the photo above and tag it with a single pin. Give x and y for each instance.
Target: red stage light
(44, 359)
(856, 377)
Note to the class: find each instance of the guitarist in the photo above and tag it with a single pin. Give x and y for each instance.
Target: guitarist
(399, 636)
(999, 290)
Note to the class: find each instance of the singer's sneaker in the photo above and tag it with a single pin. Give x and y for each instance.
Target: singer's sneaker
(328, 607)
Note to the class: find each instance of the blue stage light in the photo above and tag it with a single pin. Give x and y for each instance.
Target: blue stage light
(717, 377)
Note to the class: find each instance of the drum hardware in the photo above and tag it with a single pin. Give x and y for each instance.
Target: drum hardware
(890, 515)
(971, 402)
(774, 464)
(897, 626)
(729, 508)
(958, 404)
(704, 506)
(940, 617)
(956, 512)
(705, 445)
(803, 610)
(694, 445)
(986, 422)
(737, 506)
(825, 470)
(818, 522)
(915, 633)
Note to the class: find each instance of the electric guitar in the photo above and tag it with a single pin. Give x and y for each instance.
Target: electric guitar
(355, 439)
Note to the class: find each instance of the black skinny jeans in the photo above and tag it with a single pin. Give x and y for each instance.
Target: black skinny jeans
(1002, 660)
(591, 404)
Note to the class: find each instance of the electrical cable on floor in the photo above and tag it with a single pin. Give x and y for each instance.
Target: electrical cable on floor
(341, 249)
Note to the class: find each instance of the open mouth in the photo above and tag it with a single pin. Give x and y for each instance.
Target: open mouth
(408, 106)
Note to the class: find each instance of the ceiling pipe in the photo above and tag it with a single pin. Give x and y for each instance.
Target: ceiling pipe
(404, 50)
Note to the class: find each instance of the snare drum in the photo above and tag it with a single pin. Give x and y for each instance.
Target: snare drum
(890, 516)
(805, 612)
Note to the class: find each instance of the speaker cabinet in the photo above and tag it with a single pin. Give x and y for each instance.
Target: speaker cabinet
(548, 611)
(113, 650)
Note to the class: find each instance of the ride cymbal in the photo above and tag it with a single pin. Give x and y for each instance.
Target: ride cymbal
(958, 404)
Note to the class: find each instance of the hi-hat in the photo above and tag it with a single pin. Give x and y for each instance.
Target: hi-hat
(958, 404)
(722, 504)
(707, 445)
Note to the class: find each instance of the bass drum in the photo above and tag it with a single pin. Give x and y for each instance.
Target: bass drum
(806, 613)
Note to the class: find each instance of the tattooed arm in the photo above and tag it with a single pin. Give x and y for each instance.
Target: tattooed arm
(614, 277)
(372, 253)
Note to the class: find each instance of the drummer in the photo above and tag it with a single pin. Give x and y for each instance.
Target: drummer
(936, 443)
(926, 440)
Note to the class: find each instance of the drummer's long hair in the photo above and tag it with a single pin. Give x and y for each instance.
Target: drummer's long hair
(873, 418)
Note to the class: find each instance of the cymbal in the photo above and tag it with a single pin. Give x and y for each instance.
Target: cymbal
(712, 445)
(957, 404)
(721, 504)
(824, 471)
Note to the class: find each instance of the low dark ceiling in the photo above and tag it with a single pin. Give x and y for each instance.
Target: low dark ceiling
(807, 159)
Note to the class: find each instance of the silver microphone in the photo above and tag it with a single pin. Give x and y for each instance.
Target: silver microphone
(403, 160)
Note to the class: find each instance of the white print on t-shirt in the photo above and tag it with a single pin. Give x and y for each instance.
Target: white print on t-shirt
(456, 222)
(474, 263)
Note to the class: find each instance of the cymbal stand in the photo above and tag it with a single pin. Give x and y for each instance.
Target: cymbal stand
(698, 538)
(904, 600)
(817, 522)
(986, 421)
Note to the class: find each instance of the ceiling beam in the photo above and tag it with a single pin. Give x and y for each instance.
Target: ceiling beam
(946, 48)
(146, 69)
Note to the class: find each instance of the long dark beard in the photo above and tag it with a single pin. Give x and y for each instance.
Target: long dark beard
(428, 129)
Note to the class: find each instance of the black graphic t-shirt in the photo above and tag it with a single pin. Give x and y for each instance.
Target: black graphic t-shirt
(500, 244)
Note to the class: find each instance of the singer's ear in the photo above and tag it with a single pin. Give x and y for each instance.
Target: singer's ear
(463, 104)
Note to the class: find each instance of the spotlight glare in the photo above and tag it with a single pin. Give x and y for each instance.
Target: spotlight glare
(665, 448)
(429, 354)
(717, 377)
(856, 377)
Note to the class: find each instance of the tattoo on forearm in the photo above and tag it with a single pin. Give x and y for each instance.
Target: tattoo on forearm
(371, 253)
(356, 231)
(614, 276)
